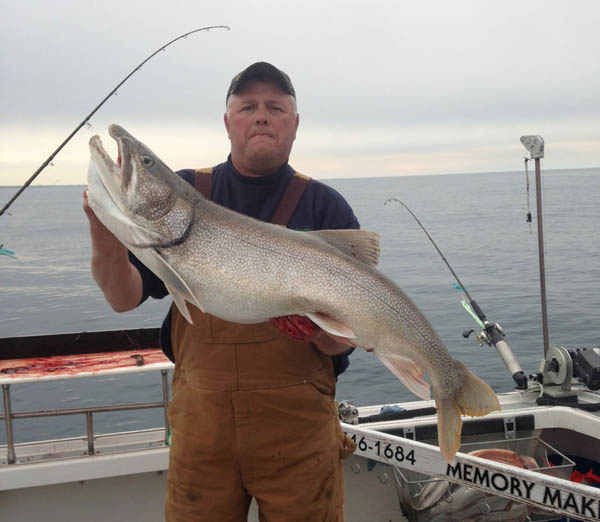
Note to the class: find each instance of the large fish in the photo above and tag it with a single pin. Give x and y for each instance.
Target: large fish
(247, 271)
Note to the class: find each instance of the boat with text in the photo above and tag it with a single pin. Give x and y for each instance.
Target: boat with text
(536, 459)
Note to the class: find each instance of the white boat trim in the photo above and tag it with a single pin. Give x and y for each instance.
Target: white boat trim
(543, 491)
(78, 469)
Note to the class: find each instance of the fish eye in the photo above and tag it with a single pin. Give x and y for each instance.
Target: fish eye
(147, 161)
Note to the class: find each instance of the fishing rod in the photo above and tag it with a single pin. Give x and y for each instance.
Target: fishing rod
(492, 333)
(86, 119)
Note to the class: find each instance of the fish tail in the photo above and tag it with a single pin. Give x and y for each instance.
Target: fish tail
(449, 426)
(475, 398)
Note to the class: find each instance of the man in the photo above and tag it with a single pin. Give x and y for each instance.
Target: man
(252, 413)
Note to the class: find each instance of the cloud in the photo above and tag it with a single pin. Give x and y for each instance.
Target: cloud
(408, 87)
(320, 151)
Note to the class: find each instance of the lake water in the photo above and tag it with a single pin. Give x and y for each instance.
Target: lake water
(477, 220)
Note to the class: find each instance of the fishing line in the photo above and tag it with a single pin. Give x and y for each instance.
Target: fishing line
(85, 120)
(460, 285)
(471, 306)
(527, 197)
(534, 388)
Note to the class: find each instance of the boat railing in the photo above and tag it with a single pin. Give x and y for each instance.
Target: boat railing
(87, 354)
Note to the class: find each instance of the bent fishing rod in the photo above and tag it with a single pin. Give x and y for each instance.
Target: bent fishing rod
(87, 118)
(492, 332)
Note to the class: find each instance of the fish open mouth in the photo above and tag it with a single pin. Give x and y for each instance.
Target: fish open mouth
(119, 161)
(113, 131)
(122, 167)
(102, 156)
(123, 162)
(104, 177)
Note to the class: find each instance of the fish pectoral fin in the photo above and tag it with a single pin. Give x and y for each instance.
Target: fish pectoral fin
(330, 325)
(175, 284)
(359, 244)
(408, 373)
(181, 305)
(342, 340)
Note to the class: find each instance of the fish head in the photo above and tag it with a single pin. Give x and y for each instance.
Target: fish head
(144, 180)
(138, 194)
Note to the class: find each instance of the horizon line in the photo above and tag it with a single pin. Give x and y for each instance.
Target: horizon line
(352, 178)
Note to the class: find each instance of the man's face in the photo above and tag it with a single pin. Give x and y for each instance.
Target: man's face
(261, 122)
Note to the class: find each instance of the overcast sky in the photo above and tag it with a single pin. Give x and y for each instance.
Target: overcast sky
(383, 88)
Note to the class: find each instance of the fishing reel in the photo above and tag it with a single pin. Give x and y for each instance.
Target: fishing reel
(561, 365)
(493, 335)
(487, 335)
(348, 412)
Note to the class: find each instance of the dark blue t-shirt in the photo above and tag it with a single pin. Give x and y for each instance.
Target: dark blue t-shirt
(319, 208)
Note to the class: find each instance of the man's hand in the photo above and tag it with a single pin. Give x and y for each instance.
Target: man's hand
(297, 327)
(118, 279)
(102, 238)
(304, 330)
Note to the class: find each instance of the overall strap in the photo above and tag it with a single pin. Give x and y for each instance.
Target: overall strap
(288, 203)
(290, 199)
(203, 181)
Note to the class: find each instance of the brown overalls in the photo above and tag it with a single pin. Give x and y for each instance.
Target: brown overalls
(252, 415)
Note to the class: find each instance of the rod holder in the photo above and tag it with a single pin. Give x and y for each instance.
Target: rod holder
(535, 146)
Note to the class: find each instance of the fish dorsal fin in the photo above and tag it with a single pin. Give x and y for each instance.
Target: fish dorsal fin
(331, 326)
(408, 372)
(359, 244)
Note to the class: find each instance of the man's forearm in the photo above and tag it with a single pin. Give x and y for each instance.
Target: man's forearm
(118, 279)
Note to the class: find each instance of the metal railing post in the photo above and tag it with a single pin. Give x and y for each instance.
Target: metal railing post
(90, 432)
(10, 440)
(165, 387)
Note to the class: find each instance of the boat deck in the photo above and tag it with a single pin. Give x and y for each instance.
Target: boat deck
(393, 453)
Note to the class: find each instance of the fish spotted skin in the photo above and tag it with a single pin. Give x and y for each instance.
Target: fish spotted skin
(246, 271)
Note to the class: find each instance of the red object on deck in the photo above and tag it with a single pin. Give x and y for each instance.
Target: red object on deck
(73, 365)
(588, 478)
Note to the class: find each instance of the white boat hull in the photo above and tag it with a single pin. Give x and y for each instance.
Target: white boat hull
(125, 479)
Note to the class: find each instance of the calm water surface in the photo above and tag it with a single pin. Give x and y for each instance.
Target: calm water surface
(477, 220)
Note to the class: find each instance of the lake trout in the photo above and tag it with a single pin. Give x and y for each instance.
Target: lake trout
(248, 271)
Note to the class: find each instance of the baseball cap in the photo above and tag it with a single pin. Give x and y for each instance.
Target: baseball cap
(261, 72)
